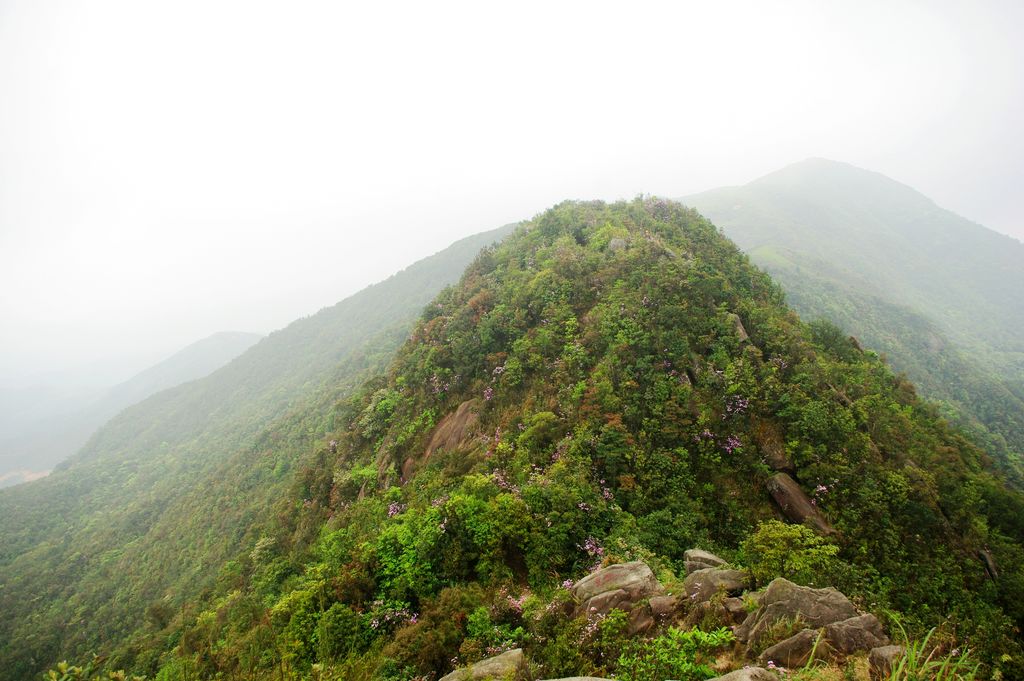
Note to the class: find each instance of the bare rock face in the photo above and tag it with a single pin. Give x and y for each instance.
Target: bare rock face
(449, 434)
(796, 650)
(701, 556)
(784, 600)
(616, 586)
(641, 620)
(701, 585)
(795, 504)
(772, 444)
(749, 674)
(509, 665)
(663, 607)
(736, 610)
(696, 559)
(881, 660)
(737, 325)
(855, 634)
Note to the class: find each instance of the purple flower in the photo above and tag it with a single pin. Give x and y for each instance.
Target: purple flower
(488, 393)
(394, 508)
(592, 548)
(731, 444)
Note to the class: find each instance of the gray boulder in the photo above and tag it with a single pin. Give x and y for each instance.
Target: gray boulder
(702, 556)
(881, 660)
(737, 325)
(784, 600)
(749, 674)
(696, 559)
(701, 585)
(616, 586)
(508, 666)
(736, 609)
(795, 504)
(663, 606)
(796, 650)
(855, 634)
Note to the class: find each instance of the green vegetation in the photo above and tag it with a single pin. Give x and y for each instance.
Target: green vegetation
(776, 549)
(112, 544)
(681, 655)
(937, 294)
(608, 384)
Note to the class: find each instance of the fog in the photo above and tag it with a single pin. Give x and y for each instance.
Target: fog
(172, 169)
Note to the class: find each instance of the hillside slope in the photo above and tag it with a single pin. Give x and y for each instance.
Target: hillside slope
(938, 294)
(50, 432)
(611, 383)
(146, 513)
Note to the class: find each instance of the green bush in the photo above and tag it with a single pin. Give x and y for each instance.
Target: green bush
(777, 549)
(677, 654)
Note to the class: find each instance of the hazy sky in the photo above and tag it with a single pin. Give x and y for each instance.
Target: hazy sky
(172, 169)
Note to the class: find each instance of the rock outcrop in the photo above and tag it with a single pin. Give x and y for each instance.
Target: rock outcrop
(785, 601)
(509, 666)
(620, 586)
(795, 504)
(449, 434)
(832, 627)
(796, 650)
(701, 585)
(881, 660)
(772, 445)
(855, 634)
(697, 559)
(749, 674)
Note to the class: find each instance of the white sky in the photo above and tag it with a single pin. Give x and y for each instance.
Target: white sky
(172, 169)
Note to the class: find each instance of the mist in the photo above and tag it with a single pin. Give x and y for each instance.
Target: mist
(170, 170)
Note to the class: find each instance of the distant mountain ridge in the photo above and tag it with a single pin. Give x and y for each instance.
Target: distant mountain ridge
(57, 435)
(941, 296)
(170, 488)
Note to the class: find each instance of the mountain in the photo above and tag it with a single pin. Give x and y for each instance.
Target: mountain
(612, 383)
(939, 295)
(54, 428)
(144, 516)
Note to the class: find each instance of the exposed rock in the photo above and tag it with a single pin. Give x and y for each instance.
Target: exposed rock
(749, 674)
(692, 566)
(736, 609)
(640, 620)
(449, 434)
(855, 634)
(662, 607)
(784, 600)
(795, 503)
(990, 564)
(603, 603)
(737, 325)
(509, 665)
(882, 659)
(796, 650)
(707, 614)
(770, 441)
(701, 585)
(617, 244)
(701, 556)
(634, 580)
